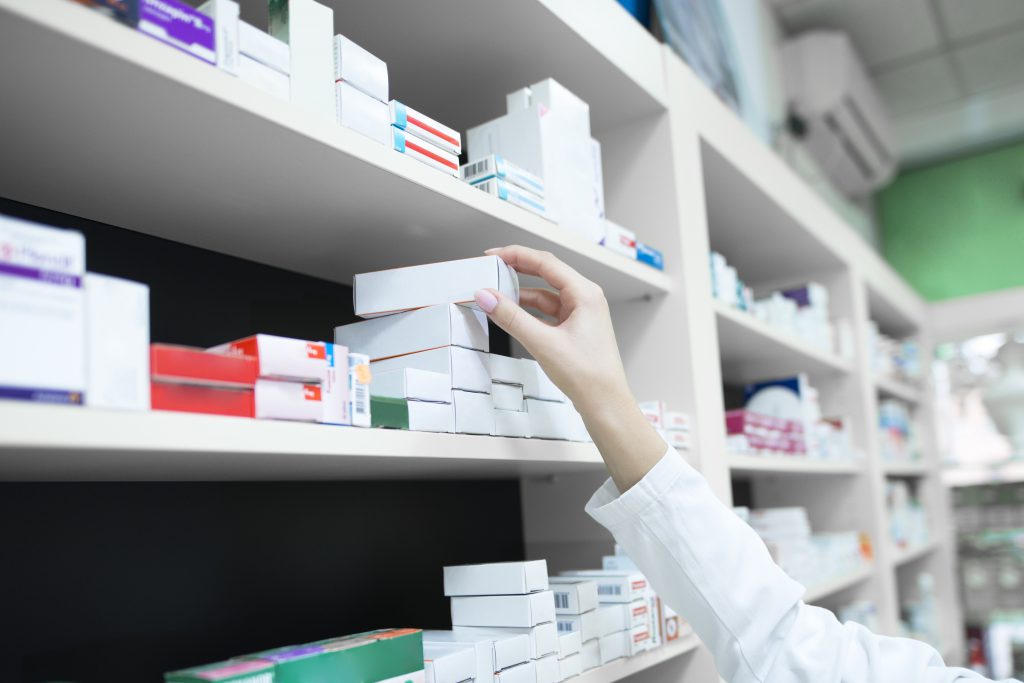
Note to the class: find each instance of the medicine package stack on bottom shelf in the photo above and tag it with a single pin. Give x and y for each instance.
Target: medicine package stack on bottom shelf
(577, 619)
(502, 600)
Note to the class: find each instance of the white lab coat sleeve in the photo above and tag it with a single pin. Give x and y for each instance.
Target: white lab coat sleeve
(711, 567)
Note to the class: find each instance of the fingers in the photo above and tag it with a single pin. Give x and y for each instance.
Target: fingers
(507, 315)
(544, 300)
(540, 263)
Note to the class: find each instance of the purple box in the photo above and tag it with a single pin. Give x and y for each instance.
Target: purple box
(177, 24)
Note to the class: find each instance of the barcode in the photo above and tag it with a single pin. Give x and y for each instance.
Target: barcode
(488, 186)
(361, 401)
(561, 601)
(476, 167)
(565, 627)
(609, 589)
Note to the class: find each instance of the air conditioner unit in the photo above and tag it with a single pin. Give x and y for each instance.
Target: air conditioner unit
(847, 126)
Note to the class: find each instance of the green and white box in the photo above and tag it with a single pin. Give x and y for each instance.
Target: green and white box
(232, 671)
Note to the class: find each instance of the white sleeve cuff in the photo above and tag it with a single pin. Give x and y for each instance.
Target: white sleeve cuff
(612, 509)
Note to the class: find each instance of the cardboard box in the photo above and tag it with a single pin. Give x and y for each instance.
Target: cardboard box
(117, 343)
(536, 383)
(448, 662)
(495, 651)
(417, 330)
(232, 671)
(507, 396)
(570, 666)
(359, 379)
(389, 413)
(591, 654)
(276, 400)
(422, 126)
(587, 624)
(187, 365)
(507, 370)
(549, 420)
(261, 76)
(382, 655)
(614, 646)
(620, 616)
(521, 611)
(521, 673)
(282, 358)
(186, 398)
(543, 637)
(404, 289)
(308, 28)
(225, 23)
(547, 669)
(335, 387)
(465, 368)
(361, 69)
(513, 195)
(412, 384)
(569, 644)
(619, 239)
(264, 48)
(179, 25)
(614, 586)
(431, 417)
(496, 578)
(359, 112)
(497, 166)
(42, 313)
(424, 152)
(474, 412)
(645, 253)
(511, 423)
(573, 595)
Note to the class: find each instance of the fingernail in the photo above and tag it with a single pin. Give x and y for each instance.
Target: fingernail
(486, 300)
(492, 250)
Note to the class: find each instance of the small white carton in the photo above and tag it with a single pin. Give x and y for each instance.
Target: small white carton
(417, 330)
(536, 383)
(570, 666)
(547, 669)
(553, 95)
(277, 400)
(449, 282)
(335, 387)
(614, 586)
(425, 128)
(573, 595)
(465, 368)
(497, 166)
(359, 112)
(507, 370)
(496, 578)
(225, 25)
(588, 624)
(448, 662)
(424, 152)
(569, 644)
(620, 616)
(521, 673)
(425, 416)
(675, 420)
(116, 343)
(264, 48)
(261, 76)
(512, 423)
(308, 28)
(543, 637)
(619, 239)
(494, 651)
(474, 412)
(359, 378)
(677, 439)
(615, 646)
(549, 420)
(360, 68)
(412, 384)
(513, 195)
(591, 654)
(507, 396)
(522, 611)
(284, 358)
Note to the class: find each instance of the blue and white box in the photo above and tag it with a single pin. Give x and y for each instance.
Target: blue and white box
(649, 255)
(513, 195)
(497, 166)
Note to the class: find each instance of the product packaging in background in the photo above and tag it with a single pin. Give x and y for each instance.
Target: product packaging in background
(359, 112)
(513, 195)
(361, 69)
(308, 28)
(179, 25)
(424, 152)
(359, 378)
(117, 343)
(496, 578)
(497, 166)
(418, 330)
(425, 128)
(224, 14)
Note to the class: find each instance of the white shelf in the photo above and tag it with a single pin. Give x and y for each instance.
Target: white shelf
(823, 590)
(902, 556)
(201, 158)
(752, 350)
(893, 388)
(905, 469)
(623, 668)
(63, 443)
(790, 465)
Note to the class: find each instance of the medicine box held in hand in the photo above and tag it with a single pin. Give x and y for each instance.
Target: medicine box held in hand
(117, 343)
(496, 578)
(543, 637)
(425, 128)
(424, 152)
(359, 112)
(522, 611)
(497, 166)
(179, 25)
(573, 595)
(361, 69)
(282, 358)
(466, 369)
(418, 330)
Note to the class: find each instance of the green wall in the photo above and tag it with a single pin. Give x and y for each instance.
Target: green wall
(957, 228)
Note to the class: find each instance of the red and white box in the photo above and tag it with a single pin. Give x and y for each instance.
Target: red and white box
(188, 398)
(423, 151)
(283, 358)
(619, 239)
(187, 365)
(674, 419)
(425, 128)
(277, 400)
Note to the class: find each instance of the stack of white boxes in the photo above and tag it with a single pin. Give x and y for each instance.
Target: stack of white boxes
(624, 612)
(672, 425)
(497, 657)
(666, 625)
(576, 607)
(501, 178)
(504, 599)
(424, 139)
(254, 56)
(361, 90)
(546, 131)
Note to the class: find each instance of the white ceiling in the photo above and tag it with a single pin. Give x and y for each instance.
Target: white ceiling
(948, 69)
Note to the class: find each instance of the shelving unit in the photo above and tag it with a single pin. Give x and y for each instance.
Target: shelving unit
(680, 169)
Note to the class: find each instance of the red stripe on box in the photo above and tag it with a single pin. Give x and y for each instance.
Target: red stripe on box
(426, 152)
(430, 129)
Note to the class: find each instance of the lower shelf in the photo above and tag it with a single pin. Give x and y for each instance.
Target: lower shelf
(621, 668)
(823, 590)
(65, 443)
(901, 556)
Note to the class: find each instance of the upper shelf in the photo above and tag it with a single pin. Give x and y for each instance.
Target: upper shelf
(61, 443)
(177, 149)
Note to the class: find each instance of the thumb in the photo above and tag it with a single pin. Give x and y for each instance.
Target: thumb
(509, 316)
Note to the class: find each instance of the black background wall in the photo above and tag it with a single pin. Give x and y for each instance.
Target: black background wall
(107, 582)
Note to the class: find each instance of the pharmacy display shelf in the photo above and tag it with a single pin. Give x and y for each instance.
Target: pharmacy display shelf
(893, 388)
(623, 668)
(818, 592)
(202, 158)
(782, 464)
(903, 556)
(905, 469)
(62, 443)
(752, 350)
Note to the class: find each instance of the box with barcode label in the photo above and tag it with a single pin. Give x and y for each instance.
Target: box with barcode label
(573, 595)
(543, 637)
(424, 152)
(497, 166)
(613, 586)
(425, 128)
(359, 378)
(513, 195)
(587, 624)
